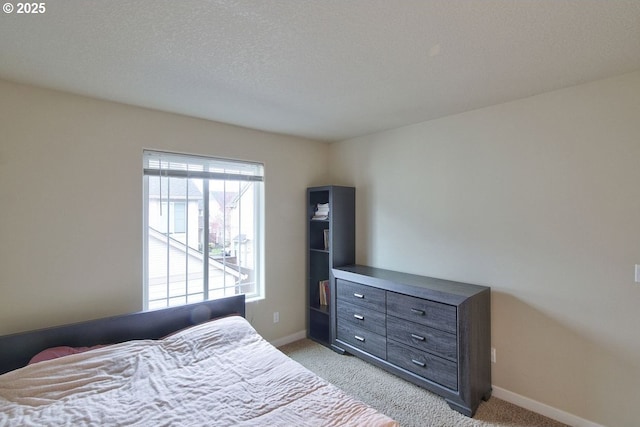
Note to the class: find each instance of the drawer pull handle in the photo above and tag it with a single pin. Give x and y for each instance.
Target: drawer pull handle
(418, 337)
(418, 312)
(419, 363)
(359, 317)
(359, 338)
(358, 295)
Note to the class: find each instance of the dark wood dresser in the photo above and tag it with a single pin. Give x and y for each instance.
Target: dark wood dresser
(435, 333)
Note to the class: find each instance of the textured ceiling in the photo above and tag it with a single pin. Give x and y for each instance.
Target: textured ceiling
(321, 69)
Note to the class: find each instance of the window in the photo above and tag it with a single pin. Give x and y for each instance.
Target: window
(203, 229)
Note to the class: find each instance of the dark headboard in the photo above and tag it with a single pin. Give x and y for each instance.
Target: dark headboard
(17, 349)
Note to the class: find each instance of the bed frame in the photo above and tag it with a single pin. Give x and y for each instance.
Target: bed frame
(17, 349)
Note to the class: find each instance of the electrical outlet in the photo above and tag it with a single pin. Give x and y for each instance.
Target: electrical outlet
(493, 355)
(276, 316)
(637, 273)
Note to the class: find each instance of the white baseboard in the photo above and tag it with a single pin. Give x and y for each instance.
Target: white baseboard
(289, 339)
(542, 409)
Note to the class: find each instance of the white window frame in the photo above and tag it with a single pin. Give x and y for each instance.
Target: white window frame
(176, 165)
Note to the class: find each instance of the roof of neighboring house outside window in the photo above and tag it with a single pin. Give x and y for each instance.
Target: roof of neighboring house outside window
(177, 188)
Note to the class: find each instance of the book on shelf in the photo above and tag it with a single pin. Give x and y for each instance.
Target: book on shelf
(321, 211)
(323, 289)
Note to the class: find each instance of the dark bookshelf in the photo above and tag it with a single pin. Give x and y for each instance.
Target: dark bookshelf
(330, 243)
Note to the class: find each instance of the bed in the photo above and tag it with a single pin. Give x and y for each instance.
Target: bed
(195, 365)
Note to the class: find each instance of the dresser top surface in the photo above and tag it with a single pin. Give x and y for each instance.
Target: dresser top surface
(381, 277)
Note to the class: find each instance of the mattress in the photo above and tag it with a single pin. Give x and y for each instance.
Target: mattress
(220, 373)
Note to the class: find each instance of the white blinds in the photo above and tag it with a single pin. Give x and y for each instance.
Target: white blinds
(158, 163)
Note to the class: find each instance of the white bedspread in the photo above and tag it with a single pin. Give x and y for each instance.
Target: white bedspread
(218, 373)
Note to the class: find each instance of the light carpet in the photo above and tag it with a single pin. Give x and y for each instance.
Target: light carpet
(408, 404)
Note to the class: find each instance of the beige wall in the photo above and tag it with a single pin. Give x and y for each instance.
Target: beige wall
(71, 206)
(540, 199)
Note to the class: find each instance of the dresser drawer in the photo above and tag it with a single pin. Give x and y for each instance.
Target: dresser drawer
(362, 295)
(434, 368)
(422, 337)
(426, 312)
(366, 318)
(363, 339)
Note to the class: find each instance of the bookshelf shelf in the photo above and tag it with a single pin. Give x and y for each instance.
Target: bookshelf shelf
(322, 251)
(320, 308)
(330, 243)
